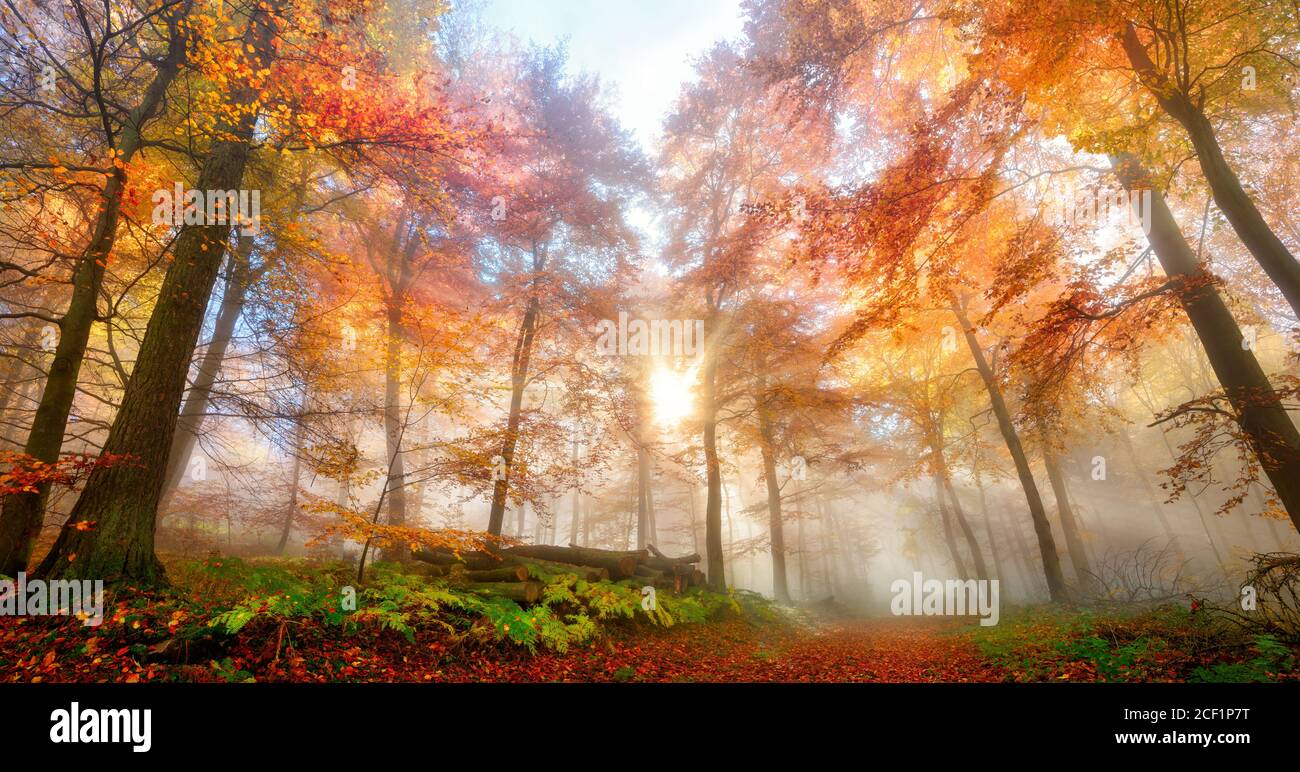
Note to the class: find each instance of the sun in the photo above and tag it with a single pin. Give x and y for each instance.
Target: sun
(670, 394)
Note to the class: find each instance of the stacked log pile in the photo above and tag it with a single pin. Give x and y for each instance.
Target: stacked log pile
(504, 572)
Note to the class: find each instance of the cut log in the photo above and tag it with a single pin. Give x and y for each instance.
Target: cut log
(590, 573)
(517, 573)
(482, 561)
(476, 561)
(619, 564)
(649, 576)
(519, 592)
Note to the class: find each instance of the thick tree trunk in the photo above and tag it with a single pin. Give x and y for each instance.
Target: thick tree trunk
(190, 422)
(21, 514)
(519, 592)
(1229, 195)
(776, 528)
(1042, 528)
(121, 501)
(620, 564)
(1261, 415)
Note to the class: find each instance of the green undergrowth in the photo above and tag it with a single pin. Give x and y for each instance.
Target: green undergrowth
(1166, 643)
(404, 600)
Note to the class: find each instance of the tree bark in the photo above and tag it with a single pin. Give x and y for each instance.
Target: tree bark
(299, 440)
(1069, 526)
(119, 503)
(948, 537)
(1042, 528)
(519, 592)
(1229, 195)
(518, 380)
(988, 532)
(21, 514)
(642, 496)
(968, 533)
(190, 422)
(776, 527)
(394, 425)
(713, 474)
(1260, 413)
(16, 366)
(577, 496)
(620, 564)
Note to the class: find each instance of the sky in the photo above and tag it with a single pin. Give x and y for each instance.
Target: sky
(641, 48)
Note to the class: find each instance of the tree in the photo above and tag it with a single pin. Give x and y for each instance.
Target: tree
(118, 137)
(573, 170)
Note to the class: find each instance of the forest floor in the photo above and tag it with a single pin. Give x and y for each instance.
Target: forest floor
(277, 631)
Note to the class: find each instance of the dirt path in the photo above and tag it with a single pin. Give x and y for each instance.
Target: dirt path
(879, 650)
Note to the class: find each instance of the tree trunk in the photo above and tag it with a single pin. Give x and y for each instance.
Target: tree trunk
(21, 514)
(642, 497)
(972, 543)
(1073, 539)
(586, 523)
(1021, 552)
(519, 592)
(780, 584)
(620, 564)
(517, 573)
(16, 366)
(1261, 415)
(119, 503)
(695, 531)
(948, 537)
(192, 414)
(577, 498)
(713, 502)
(518, 380)
(1229, 195)
(1042, 528)
(299, 440)
(394, 423)
(988, 533)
